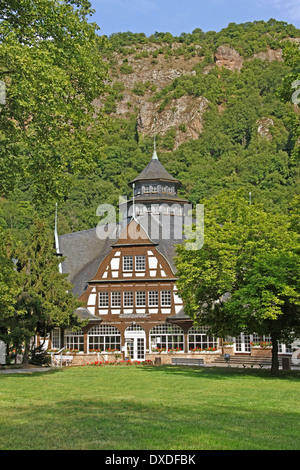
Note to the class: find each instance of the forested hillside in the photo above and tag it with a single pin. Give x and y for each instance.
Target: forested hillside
(222, 122)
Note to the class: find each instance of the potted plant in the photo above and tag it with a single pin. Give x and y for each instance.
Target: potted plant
(261, 348)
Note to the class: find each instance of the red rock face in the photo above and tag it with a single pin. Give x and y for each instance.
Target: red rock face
(229, 58)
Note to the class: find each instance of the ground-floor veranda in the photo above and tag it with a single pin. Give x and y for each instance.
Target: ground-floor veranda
(141, 341)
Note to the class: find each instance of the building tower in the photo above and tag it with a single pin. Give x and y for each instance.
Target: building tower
(127, 281)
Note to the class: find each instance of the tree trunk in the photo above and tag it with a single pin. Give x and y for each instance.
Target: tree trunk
(275, 361)
(26, 352)
(15, 348)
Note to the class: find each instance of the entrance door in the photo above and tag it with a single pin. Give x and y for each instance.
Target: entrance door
(135, 341)
(242, 343)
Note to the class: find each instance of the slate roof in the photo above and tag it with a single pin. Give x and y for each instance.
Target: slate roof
(180, 316)
(83, 252)
(154, 171)
(84, 314)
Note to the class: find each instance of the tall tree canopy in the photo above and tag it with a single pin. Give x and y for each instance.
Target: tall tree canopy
(52, 71)
(290, 91)
(8, 284)
(35, 297)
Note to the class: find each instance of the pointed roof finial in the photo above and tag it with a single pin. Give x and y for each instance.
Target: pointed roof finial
(154, 156)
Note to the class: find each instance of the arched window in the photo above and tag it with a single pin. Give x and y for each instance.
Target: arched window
(198, 339)
(74, 339)
(134, 327)
(104, 338)
(166, 337)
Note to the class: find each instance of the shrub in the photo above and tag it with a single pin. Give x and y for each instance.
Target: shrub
(126, 69)
(39, 357)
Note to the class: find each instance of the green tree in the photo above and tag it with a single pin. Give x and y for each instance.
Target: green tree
(8, 285)
(246, 276)
(290, 92)
(52, 70)
(43, 297)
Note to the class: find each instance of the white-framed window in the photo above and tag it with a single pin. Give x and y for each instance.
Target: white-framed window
(127, 263)
(282, 348)
(146, 189)
(140, 263)
(116, 299)
(198, 339)
(166, 337)
(74, 339)
(165, 298)
(128, 299)
(140, 299)
(104, 338)
(103, 299)
(153, 298)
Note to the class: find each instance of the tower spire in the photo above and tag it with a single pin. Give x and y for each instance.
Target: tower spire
(133, 195)
(154, 156)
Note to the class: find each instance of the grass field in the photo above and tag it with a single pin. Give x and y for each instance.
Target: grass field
(144, 407)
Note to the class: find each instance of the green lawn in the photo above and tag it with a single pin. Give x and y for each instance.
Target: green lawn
(154, 408)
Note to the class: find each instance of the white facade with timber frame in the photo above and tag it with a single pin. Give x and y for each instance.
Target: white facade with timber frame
(127, 282)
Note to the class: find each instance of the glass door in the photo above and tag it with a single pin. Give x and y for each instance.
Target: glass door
(140, 349)
(242, 343)
(130, 348)
(135, 342)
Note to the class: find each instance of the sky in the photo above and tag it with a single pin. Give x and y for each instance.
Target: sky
(177, 16)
